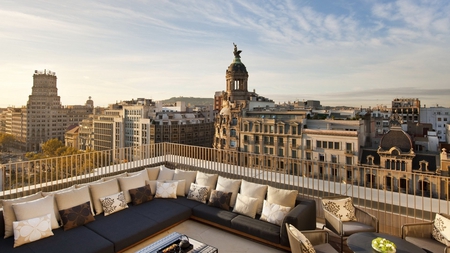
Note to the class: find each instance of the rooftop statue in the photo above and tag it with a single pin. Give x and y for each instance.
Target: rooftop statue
(236, 52)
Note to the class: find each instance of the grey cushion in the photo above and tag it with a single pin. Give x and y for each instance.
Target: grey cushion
(164, 212)
(426, 243)
(214, 214)
(324, 248)
(255, 227)
(185, 202)
(351, 227)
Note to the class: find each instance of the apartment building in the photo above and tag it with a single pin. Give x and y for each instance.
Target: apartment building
(407, 108)
(438, 117)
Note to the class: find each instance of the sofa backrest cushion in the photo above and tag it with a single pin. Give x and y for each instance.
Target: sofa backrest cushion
(254, 190)
(187, 176)
(281, 197)
(165, 173)
(229, 185)
(36, 208)
(100, 190)
(206, 179)
(74, 197)
(131, 182)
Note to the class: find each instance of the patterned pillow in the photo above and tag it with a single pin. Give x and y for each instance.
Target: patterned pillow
(341, 208)
(166, 190)
(141, 195)
(441, 229)
(198, 193)
(31, 230)
(113, 203)
(220, 199)
(76, 216)
(274, 213)
(304, 242)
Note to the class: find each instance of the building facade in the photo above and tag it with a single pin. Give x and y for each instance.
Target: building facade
(438, 117)
(407, 108)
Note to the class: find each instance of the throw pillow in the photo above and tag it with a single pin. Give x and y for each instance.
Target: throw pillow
(198, 193)
(37, 208)
(187, 176)
(166, 190)
(113, 203)
(220, 199)
(274, 213)
(246, 205)
(341, 208)
(8, 212)
(165, 173)
(115, 176)
(442, 224)
(180, 186)
(229, 185)
(141, 195)
(144, 172)
(254, 190)
(100, 190)
(304, 242)
(153, 173)
(30, 230)
(132, 182)
(76, 216)
(437, 235)
(281, 196)
(73, 197)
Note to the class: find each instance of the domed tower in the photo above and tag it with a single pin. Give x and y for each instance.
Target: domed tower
(237, 78)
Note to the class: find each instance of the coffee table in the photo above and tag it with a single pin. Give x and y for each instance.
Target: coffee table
(198, 247)
(362, 242)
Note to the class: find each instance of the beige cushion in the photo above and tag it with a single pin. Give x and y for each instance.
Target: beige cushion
(143, 172)
(74, 197)
(166, 190)
(33, 229)
(56, 206)
(229, 185)
(205, 179)
(341, 208)
(281, 196)
(246, 205)
(8, 212)
(113, 203)
(274, 213)
(37, 208)
(442, 224)
(253, 190)
(87, 184)
(306, 245)
(127, 183)
(165, 173)
(181, 185)
(198, 192)
(115, 176)
(101, 190)
(187, 176)
(153, 173)
(152, 184)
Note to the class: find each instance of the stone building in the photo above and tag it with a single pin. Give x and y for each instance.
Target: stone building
(407, 108)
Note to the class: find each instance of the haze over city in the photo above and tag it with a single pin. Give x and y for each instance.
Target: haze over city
(362, 53)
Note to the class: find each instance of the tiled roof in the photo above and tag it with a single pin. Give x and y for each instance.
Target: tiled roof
(396, 138)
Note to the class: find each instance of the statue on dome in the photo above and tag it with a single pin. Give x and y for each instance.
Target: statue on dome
(236, 52)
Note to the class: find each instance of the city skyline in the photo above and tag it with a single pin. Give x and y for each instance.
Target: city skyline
(341, 53)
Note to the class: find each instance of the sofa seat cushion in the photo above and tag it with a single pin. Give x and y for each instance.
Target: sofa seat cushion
(258, 228)
(163, 212)
(69, 241)
(324, 248)
(185, 202)
(426, 243)
(124, 228)
(214, 214)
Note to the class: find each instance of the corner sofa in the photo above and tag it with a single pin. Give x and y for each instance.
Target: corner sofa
(122, 229)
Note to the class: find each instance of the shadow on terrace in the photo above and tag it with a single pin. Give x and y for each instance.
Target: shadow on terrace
(391, 205)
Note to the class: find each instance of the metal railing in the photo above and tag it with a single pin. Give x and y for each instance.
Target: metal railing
(395, 197)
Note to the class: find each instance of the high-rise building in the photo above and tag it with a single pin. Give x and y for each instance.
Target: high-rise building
(44, 118)
(407, 108)
(438, 117)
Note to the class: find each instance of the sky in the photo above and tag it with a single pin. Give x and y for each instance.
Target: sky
(341, 52)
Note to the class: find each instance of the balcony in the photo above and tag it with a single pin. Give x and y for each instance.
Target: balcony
(393, 204)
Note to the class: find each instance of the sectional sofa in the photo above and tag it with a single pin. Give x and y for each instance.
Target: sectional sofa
(149, 202)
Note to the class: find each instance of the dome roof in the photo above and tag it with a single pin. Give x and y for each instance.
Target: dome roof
(396, 138)
(237, 66)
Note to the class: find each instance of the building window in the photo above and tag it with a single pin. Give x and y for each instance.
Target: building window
(318, 144)
(349, 160)
(308, 156)
(336, 145)
(280, 129)
(370, 160)
(256, 149)
(294, 154)
(333, 158)
(348, 147)
(257, 128)
(308, 144)
(321, 157)
(280, 152)
(423, 165)
(294, 130)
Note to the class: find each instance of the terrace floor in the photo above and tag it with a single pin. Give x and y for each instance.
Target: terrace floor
(223, 240)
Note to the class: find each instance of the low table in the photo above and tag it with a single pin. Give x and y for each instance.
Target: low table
(198, 247)
(362, 242)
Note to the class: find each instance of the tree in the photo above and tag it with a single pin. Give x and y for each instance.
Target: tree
(50, 147)
(6, 140)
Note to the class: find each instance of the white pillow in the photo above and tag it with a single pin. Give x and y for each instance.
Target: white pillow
(229, 185)
(127, 183)
(246, 205)
(8, 212)
(33, 229)
(188, 176)
(281, 196)
(254, 190)
(198, 192)
(166, 190)
(341, 208)
(180, 186)
(113, 203)
(165, 173)
(101, 190)
(274, 213)
(37, 208)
